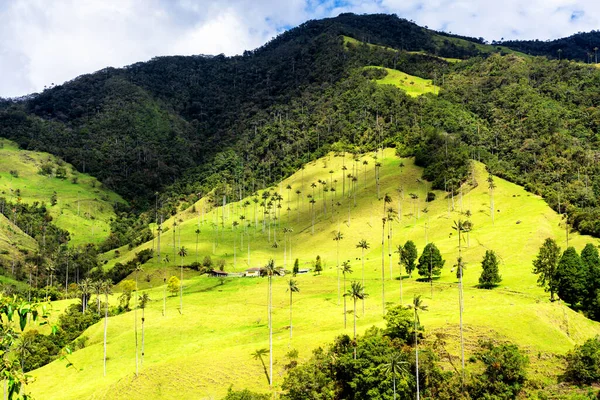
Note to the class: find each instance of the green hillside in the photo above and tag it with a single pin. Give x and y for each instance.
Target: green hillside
(199, 353)
(412, 85)
(83, 207)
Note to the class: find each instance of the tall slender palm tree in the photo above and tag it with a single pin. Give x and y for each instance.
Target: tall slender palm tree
(292, 288)
(271, 271)
(138, 269)
(386, 200)
(106, 290)
(363, 245)
(357, 292)
(85, 288)
(491, 187)
(399, 252)
(395, 366)
(197, 232)
(165, 261)
(417, 306)
(460, 267)
(346, 269)
(337, 236)
(182, 253)
(143, 299)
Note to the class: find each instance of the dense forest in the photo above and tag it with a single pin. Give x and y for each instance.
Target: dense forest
(174, 128)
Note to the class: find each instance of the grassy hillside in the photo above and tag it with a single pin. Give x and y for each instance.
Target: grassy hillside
(413, 85)
(83, 207)
(199, 353)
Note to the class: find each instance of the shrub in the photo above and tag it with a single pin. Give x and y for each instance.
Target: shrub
(583, 363)
(504, 374)
(399, 324)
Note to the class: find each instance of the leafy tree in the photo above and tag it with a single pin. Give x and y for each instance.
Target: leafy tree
(318, 265)
(570, 277)
(128, 287)
(583, 363)
(504, 374)
(545, 266)
(490, 275)
(312, 380)
(399, 323)
(173, 285)
(409, 256)
(591, 262)
(430, 263)
(245, 395)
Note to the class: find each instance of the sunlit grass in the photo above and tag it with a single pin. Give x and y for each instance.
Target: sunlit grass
(200, 353)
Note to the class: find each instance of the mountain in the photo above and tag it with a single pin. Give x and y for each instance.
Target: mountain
(582, 46)
(178, 127)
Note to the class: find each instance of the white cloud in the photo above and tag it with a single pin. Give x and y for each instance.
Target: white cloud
(45, 42)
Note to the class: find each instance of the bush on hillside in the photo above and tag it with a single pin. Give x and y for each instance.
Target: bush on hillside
(583, 363)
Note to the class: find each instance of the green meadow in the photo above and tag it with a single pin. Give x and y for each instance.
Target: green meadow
(202, 350)
(83, 207)
(412, 85)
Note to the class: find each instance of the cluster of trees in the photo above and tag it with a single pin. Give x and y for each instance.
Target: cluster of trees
(574, 277)
(382, 364)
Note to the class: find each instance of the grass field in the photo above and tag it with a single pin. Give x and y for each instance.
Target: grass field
(412, 85)
(83, 208)
(199, 353)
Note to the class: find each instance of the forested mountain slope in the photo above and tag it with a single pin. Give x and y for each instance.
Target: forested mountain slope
(173, 128)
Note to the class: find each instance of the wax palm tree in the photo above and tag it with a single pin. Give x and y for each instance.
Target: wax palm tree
(417, 306)
(337, 236)
(85, 288)
(292, 288)
(399, 252)
(460, 267)
(386, 200)
(166, 261)
(271, 271)
(395, 366)
(346, 269)
(258, 355)
(363, 245)
(106, 290)
(182, 253)
(365, 163)
(357, 292)
(491, 187)
(197, 232)
(138, 269)
(143, 299)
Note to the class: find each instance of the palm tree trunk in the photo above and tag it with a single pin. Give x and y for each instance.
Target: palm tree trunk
(136, 340)
(270, 334)
(291, 316)
(143, 320)
(417, 357)
(355, 327)
(338, 269)
(363, 278)
(105, 330)
(344, 301)
(181, 287)
(383, 267)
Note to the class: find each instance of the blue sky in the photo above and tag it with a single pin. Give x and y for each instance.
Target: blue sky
(52, 41)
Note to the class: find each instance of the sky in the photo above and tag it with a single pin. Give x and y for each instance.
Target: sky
(45, 42)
